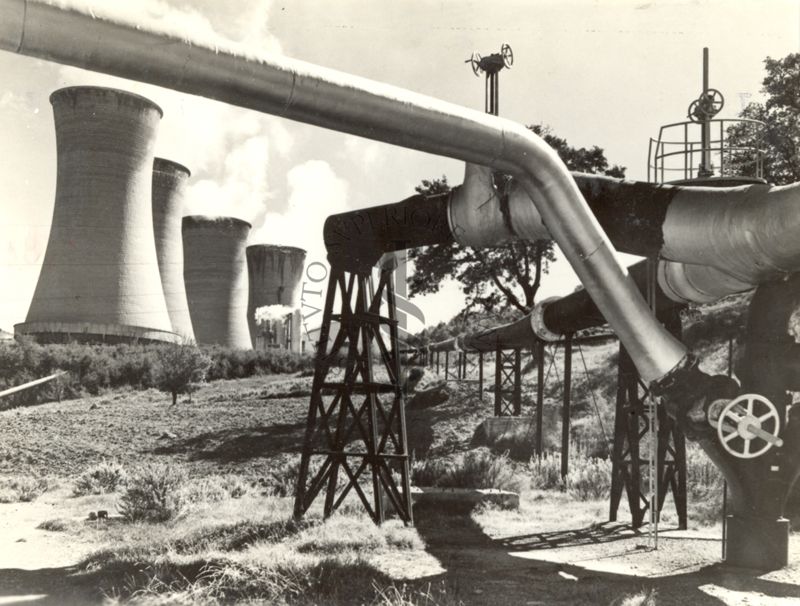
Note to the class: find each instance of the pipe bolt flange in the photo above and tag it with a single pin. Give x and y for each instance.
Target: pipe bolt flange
(537, 321)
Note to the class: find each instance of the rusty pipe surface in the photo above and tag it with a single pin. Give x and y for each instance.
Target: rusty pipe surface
(349, 104)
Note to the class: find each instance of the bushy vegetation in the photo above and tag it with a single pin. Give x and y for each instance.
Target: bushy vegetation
(476, 469)
(704, 485)
(227, 363)
(588, 477)
(102, 478)
(546, 472)
(179, 368)
(154, 494)
(91, 369)
(22, 488)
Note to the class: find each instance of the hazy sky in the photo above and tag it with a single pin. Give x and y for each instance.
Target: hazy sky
(601, 72)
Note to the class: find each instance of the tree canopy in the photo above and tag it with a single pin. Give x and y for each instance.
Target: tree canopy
(496, 279)
(781, 114)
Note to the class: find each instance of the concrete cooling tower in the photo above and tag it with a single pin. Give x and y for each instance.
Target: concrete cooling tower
(100, 280)
(215, 272)
(169, 184)
(275, 275)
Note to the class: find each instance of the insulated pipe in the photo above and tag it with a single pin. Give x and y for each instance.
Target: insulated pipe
(703, 230)
(712, 241)
(323, 97)
(551, 320)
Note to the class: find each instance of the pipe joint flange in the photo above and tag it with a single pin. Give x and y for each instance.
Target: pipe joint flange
(537, 321)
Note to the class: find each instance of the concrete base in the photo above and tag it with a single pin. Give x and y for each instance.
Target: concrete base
(757, 543)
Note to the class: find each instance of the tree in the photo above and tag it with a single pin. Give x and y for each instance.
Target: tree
(179, 367)
(495, 279)
(781, 136)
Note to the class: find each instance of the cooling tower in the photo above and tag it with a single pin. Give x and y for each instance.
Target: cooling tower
(169, 184)
(215, 272)
(275, 274)
(100, 279)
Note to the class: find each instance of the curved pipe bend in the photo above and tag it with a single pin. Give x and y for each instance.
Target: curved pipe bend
(712, 241)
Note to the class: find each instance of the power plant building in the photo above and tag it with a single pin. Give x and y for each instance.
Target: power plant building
(275, 275)
(215, 274)
(100, 280)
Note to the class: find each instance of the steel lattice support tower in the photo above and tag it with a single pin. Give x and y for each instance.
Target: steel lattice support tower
(630, 429)
(508, 383)
(356, 431)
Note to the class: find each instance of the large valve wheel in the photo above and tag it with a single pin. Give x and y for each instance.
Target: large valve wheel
(475, 63)
(706, 106)
(507, 54)
(748, 426)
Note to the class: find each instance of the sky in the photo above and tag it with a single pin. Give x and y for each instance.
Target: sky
(598, 72)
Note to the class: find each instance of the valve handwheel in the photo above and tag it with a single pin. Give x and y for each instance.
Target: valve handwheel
(748, 426)
(712, 102)
(475, 63)
(507, 54)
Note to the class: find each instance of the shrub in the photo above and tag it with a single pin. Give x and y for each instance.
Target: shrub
(545, 472)
(22, 488)
(589, 478)
(213, 489)
(704, 485)
(180, 367)
(281, 479)
(55, 525)
(153, 494)
(477, 469)
(429, 472)
(102, 478)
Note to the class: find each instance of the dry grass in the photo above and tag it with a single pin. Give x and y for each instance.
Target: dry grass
(479, 468)
(250, 549)
(16, 489)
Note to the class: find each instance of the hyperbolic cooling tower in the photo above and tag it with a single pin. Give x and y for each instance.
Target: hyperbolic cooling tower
(275, 274)
(169, 184)
(100, 279)
(215, 272)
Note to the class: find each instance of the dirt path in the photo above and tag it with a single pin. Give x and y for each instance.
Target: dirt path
(596, 565)
(39, 565)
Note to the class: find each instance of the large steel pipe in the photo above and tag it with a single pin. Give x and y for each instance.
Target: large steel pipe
(100, 278)
(712, 242)
(349, 104)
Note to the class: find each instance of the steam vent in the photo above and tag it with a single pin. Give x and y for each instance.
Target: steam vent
(275, 274)
(169, 184)
(215, 272)
(100, 280)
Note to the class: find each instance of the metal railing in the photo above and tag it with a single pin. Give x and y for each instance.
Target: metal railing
(735, 150)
